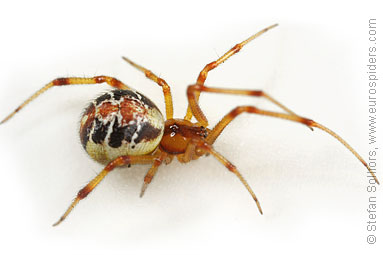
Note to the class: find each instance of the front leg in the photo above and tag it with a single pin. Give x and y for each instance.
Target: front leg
(203, 74)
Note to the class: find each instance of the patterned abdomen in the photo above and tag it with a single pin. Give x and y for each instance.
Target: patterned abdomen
(120, 122)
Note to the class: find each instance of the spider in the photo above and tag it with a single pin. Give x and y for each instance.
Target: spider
(123, 127)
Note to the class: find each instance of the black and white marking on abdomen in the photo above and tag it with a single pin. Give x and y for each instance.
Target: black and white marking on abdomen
(121, 122)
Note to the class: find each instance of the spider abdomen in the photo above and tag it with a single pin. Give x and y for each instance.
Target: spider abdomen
(118, 123)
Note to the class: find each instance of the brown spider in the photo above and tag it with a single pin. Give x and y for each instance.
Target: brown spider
(123, 127)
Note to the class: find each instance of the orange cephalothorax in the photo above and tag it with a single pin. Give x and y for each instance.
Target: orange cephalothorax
(178, 133)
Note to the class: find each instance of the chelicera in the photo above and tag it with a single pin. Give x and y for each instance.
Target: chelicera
(123, 127)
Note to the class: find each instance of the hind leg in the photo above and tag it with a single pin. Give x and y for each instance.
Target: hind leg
(69, 81)
(120, 161)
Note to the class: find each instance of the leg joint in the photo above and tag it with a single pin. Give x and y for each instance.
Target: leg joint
(61, 81)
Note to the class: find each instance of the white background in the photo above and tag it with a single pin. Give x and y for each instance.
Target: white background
(312, 190)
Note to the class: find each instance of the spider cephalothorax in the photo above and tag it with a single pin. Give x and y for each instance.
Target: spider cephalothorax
(123, 127)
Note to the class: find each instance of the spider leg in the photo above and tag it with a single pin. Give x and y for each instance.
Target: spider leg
(203, 74)
(152, 171)
(209, 148)
(120, 161)
(190, 154)
(216, 131)
(196, 88)
(161, 82)
(69, 81)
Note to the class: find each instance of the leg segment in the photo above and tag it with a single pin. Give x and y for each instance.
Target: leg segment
(208, 148)
(216, 131)
(120, 161)
(162, 83)
(190, 154)
(203, 74)
(152, 171)
(196, 110)
(70, 81)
